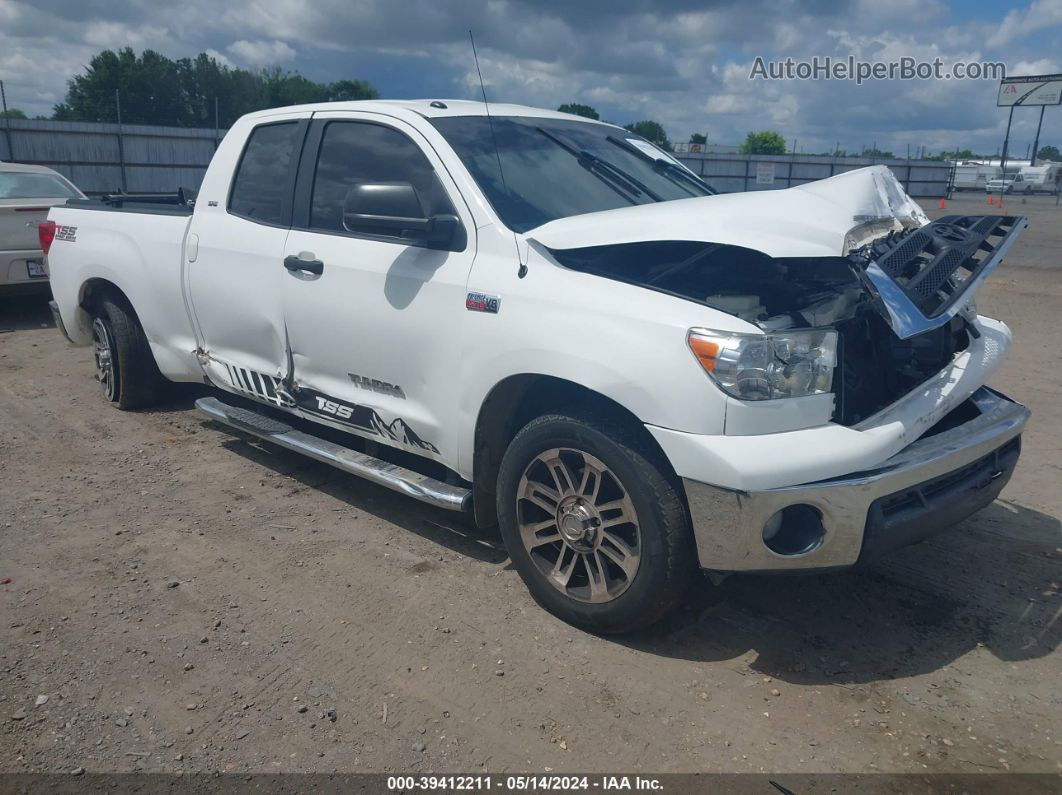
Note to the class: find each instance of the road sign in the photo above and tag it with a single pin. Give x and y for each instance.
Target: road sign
(1031, 90)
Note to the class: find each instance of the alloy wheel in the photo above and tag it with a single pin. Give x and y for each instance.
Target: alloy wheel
(103, 353)
(578, 524)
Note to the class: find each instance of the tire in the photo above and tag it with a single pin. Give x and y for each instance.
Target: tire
(619, 554)
(125, 366)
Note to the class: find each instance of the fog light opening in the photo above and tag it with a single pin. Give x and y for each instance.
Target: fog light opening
(794, 530)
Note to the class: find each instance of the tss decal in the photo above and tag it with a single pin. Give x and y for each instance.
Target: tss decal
(333, 408)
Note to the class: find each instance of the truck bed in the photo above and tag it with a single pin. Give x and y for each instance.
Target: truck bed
(138, 248)
(168, 204)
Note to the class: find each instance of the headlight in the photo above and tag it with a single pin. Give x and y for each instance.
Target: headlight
(767, 366)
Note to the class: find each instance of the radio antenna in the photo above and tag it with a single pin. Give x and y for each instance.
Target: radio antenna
(486, 107)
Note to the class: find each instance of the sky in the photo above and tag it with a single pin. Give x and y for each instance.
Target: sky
(681, 62)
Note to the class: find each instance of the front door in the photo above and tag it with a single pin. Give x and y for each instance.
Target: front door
(235, 272)
(373, 320)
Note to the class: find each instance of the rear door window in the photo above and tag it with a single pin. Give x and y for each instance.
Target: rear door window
(261, 190)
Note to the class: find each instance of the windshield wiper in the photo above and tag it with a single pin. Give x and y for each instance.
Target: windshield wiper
(610, 174)
(676, 173)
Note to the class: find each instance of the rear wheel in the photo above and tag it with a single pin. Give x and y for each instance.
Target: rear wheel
(125, 366)
(594, 523)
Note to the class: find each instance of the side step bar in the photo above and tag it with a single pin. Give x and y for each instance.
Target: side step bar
(396, 478)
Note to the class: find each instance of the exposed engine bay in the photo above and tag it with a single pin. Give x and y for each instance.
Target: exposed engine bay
(875, 366)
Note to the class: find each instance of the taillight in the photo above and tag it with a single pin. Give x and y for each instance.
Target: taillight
(46, 234)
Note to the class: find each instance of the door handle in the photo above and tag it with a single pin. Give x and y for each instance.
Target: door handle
(296, 263)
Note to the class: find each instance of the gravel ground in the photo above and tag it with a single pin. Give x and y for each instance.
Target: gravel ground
(175, 598)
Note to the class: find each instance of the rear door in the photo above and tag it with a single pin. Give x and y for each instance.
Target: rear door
(234, 270)
(375, 332)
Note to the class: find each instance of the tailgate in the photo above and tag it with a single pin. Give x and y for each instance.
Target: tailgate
(922, 279)
(18, 222)
(18, 225)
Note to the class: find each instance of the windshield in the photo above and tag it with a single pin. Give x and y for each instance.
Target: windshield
(27, 185)
(555, 168)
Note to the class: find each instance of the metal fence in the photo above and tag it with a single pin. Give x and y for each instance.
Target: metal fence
(102, 158)
(733, 173)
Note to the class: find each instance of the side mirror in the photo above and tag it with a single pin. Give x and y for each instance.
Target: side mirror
(393, 209)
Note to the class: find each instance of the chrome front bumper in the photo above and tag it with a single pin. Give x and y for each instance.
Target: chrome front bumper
(728, 525)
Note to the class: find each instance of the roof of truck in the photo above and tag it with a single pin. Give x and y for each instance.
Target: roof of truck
(426, 108)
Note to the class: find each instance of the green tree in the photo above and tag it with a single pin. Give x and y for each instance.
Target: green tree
(764, 142)
(877, 153)
(579, 110)
(282, 88)
(698, 138)
(651, 131)
(203, 81)
(156, 90)
(1049, 153)
(351, 90)
(147, 85)
(12, 113)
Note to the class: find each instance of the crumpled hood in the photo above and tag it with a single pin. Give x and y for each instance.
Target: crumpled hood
(822, 218)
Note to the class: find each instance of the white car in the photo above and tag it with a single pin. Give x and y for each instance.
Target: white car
(999, 185)
(26, 195)
(549, 323)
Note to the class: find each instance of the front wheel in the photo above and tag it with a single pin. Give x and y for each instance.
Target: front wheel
(594, 523)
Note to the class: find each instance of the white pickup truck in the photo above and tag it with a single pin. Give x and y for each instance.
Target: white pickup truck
(551, 324)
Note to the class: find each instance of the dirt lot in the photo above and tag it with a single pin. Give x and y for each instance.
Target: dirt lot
(187, 600)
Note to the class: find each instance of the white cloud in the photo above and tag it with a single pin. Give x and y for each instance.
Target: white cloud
(1044, 66)
(8, 11)
(684, 63)
(260, 53)
(103, 34)
(1019, 23)
(731, 103)
(220, 57)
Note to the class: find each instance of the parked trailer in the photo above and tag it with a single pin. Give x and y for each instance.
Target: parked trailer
(973, 176)
(1040, 179)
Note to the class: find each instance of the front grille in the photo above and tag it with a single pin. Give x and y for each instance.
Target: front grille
(931, 264)
(876, 368)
